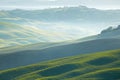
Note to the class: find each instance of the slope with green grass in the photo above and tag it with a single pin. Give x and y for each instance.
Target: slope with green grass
(96, 66)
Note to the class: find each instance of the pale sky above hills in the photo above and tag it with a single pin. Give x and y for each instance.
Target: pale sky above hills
(38, 4)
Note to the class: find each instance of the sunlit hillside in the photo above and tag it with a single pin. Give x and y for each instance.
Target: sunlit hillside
(95, 66)
(12, 34)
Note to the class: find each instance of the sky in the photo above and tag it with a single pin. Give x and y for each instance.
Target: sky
(40, 4)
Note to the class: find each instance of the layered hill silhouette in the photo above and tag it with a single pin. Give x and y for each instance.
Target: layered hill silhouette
(77, 14)
(47, 19)
(21, 58)
(108, 33)
(14, 34)
(33, 39)
(94, 66)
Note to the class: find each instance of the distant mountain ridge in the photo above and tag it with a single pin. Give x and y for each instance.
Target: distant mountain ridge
(78, 14)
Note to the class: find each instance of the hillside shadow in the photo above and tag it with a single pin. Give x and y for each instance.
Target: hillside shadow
(101, 61)
(10, 75)
(59, 70)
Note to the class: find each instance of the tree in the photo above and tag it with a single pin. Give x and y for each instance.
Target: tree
(107, 30)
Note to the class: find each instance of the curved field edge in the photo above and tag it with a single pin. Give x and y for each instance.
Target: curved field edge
(69, 68)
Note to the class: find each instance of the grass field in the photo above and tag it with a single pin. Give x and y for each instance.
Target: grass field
(95, 66)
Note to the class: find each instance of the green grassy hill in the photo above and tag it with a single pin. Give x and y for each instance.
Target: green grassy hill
(96, 66)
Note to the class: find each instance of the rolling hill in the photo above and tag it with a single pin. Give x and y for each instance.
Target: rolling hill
(94, 66)
(108, 33)
(48, 34)
(13, 34)
(52, 25)
(25, 57)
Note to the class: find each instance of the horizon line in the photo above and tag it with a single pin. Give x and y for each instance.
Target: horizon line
(48, 7)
